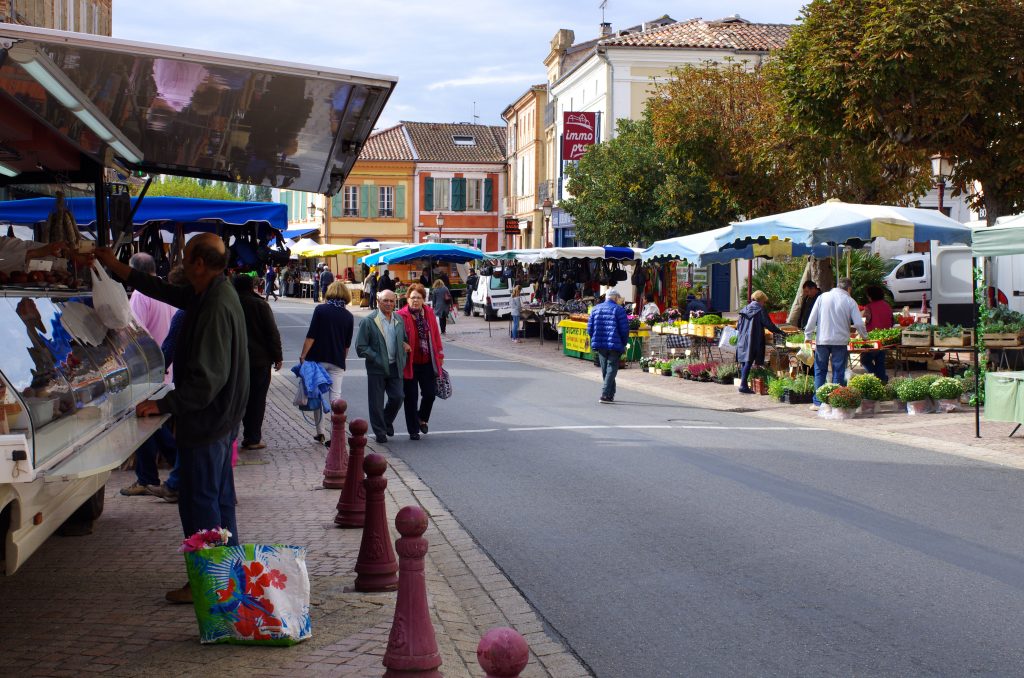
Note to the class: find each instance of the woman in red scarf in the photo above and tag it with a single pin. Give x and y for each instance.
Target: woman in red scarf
(425, 360)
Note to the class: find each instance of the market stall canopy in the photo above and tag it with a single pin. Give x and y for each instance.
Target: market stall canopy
(69, 102)
(839, 223)
(716, 247)
(1006, 237)
(548, 253)
(326, 250)
(299, 232)
(433, 250)
(153, 209)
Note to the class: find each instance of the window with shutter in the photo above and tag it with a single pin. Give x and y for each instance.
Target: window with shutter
(489, 195)
(364, 201)
(400, 201)
(459, 195)
(373, 201)
(428, 195)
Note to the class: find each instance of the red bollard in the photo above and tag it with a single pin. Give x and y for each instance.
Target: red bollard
(502, 653)
(376, 567)
(336, 467)
(412, 648)
(352, 503)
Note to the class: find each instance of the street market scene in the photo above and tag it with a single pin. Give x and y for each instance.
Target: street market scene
(697, 350)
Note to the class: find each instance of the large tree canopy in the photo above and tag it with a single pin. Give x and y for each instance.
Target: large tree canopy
(932, 76)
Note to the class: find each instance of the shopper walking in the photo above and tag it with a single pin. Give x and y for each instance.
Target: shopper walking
(441, 300)
(472, 280)
(327, 342)
(750, 346)
(370, 289)
(833, 314)
(269, 281)
(608, 328)
(264, 352)
(425, 360)
(877, 316)
(326, 278)
(381, 341)
(516, 307)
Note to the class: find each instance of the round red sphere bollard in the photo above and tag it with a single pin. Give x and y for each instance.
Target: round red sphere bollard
(376, 566)
(412, 648)
(502, 653)
(352, 503)
(336, 467)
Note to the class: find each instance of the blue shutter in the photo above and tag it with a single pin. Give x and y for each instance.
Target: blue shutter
(400, 201)
(488, 195)
(458, 195)
(364, 201)
(428, 195)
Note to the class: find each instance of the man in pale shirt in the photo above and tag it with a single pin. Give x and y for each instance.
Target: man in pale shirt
(155, 316)
(831, 317)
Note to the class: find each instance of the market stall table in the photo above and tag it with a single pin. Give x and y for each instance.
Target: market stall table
(1004, 397)
(576, 341)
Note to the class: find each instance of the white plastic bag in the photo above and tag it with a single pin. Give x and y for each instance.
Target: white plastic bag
(300, 400)
(110, 300)
(727, 334)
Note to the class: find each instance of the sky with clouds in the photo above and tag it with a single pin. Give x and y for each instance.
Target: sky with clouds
(447, 54)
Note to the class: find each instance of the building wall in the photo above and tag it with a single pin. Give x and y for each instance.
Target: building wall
(526, 168)
(478, 227)
(83, 16)
(363, 219)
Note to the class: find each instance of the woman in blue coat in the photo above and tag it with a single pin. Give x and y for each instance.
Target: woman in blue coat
(753, 322)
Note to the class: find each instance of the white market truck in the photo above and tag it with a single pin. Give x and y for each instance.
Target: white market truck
(79, 109)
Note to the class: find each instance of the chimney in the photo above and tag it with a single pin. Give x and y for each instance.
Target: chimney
(606, 29)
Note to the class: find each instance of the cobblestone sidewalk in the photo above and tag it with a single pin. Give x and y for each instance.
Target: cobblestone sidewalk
(95, 604)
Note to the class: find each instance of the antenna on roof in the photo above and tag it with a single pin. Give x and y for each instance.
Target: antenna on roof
(603, 6)
(475, 116)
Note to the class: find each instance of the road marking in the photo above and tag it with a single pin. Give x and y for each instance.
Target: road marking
(476, 360)
(716, 427)
(471, 430)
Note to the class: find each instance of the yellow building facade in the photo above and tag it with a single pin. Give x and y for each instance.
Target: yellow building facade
(528, 185)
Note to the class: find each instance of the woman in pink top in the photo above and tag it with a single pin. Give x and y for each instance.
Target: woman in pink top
(877, 315)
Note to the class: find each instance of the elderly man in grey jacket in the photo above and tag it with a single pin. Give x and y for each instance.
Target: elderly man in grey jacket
(382, 342)
(831, 318)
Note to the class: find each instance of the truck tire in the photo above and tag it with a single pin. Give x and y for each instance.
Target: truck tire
(80, 522)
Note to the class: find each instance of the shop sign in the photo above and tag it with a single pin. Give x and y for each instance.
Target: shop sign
(577, 339)
(578, 134)
(511, 226)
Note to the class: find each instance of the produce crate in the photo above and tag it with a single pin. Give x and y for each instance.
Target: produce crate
(966, 338)
(866, 345)
(998, 339)
(917, 338)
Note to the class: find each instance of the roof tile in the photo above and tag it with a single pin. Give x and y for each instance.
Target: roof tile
(433, 142)
(387, 144)
(734, 34)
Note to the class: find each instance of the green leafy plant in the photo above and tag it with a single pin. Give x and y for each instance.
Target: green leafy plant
(946, 388)
(844, 397)
(949, 331)
(824, 391)
(930, 378)
(890, 335)
(760, 373)
(777, 387)
(802, 385)
(890, 388)
(726, 372)
(870, 386)
(969, 381)
(919, 327)
(708, 320)
(796, 338)
(866, 270)
(913, 390)
(780, 280)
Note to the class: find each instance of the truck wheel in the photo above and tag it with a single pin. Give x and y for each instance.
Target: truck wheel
(80, 522)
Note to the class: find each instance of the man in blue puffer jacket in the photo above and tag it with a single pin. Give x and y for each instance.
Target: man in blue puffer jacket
(608, 328)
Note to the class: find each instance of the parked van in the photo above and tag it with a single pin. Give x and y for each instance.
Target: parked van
(493, 295)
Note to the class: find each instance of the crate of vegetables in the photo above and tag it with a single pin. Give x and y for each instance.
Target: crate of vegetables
(953, 335)
(918, 334)
(888, 337)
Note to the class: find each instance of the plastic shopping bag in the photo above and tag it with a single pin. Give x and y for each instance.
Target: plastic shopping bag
(252, 594)
(725, 342)
(805, 355)
(110, 300)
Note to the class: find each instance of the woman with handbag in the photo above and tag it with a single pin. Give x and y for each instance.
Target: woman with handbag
(441, 300)
(750, 344)
(327, 342)
(425, 361)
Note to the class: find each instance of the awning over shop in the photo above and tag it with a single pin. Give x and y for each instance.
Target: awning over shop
(1003, 238)
(72, 102)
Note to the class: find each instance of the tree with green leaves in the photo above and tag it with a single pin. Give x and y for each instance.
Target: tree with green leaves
(186, 187)
(916, 76)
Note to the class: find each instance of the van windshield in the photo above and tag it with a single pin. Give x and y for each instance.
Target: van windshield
(890, 265)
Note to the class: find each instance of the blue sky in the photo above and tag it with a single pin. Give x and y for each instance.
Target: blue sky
(447, 54)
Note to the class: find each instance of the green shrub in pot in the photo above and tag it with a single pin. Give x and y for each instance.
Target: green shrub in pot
(913, 390)
(844, 398)
(946, 388)
(777, 387)
(870, 386)
(803, 385)
(824, 391)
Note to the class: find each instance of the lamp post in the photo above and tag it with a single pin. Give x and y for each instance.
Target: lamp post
(440, 224)
(942, 167)
(546, 206)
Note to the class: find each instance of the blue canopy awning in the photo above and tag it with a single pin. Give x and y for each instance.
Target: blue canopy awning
(299, 232)
(153, 209)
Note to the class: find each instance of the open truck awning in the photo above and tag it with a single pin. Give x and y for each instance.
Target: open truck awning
(71, 101)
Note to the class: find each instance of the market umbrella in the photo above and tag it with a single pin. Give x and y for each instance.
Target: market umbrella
(716, 247)
(433, 250)
(328, 250)
(302, 246)
(1002, 238)
(839, 223)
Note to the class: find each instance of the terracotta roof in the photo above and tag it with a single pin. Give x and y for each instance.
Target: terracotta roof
(387, 144)
(733, 33)
(434, 142)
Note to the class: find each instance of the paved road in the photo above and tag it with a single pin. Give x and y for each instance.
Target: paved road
(662, 540)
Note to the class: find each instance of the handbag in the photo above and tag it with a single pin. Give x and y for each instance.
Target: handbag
(443, 386)
(109, 299)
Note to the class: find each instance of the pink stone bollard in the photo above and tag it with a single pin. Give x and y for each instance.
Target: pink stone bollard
(336, 467)
(412, 648)
(352, 503)
(376, 567)
(502, 653)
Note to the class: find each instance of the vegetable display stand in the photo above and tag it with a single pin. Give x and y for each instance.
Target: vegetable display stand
(576, 341)
(1003, 339)
(965, 338)
(917, 338)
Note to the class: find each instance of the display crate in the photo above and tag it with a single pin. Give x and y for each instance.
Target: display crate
(917, 338)
(1003, 339)
(966, 338)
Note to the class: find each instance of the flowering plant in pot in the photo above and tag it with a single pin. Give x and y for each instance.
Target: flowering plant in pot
(724, 373)
(914, 392)
(844, 401)
(759, 378)
(871, 390)
(946, 392)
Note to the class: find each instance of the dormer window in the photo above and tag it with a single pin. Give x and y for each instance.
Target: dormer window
(463, 140)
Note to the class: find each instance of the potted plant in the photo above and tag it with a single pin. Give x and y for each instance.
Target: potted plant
(871, 390)
(777, 388)
(759, 377)
(725, 373)
(665, 367)
(914, 392)
(946, 392)
(888, 337)
(822, 394)
(799, 390)
(844, 402)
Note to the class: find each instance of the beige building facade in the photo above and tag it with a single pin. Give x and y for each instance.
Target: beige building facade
(529, 189)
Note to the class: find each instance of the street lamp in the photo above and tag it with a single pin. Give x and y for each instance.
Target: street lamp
(440, 223)
(942, 167)
(311, 210)
(546, 206)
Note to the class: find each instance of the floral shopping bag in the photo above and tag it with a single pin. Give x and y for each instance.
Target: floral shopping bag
(251, 594)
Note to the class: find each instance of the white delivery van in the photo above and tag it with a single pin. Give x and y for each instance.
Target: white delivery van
(493, 295)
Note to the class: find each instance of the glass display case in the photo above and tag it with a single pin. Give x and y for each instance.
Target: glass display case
(66, 378)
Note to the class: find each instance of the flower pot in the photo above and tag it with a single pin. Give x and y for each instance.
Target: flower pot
(737, 382)
(666, 373)
(867, 407)
(652, 370)
(919, 407)
(947, 405)
(825, 411)
(844, 412)
(797, 398)
(759, 387)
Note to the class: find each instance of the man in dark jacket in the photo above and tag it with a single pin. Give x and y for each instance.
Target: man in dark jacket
(264, 350)
(471, 282)
(810, 290)
(608, 328)
(211, 383)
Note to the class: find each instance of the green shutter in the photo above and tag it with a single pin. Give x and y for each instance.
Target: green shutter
(458, 195)
(374, 200)
(428, 195)
(488, 195)
(336, 203)
(364, 201)
(400, 201)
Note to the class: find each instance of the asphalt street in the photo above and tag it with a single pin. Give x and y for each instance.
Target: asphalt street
(664, 540)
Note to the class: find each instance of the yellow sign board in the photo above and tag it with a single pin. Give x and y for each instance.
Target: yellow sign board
(576, 339)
